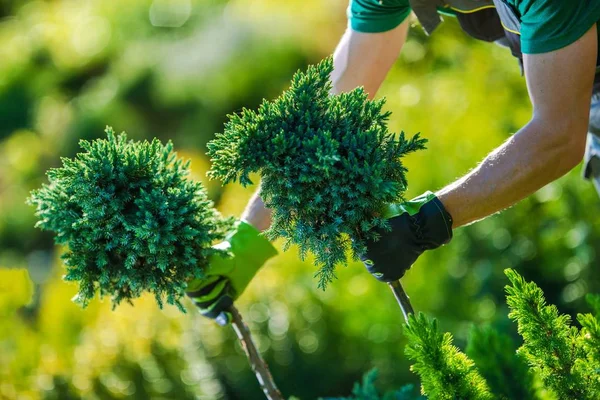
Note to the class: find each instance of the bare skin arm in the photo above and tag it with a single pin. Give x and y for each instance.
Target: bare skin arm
(550, 145)
(256, 214)
(364, 59)
(360, 59)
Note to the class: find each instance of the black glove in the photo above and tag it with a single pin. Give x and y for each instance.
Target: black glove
(417, 225)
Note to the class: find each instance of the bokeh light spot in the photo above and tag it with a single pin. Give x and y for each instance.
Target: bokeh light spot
(170, 13)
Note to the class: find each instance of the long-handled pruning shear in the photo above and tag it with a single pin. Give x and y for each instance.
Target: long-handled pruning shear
(402, 299)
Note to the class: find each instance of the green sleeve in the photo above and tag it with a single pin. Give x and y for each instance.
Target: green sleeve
(548, 25)
(372, 16)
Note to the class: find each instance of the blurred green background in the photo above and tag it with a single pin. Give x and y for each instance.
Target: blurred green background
(174, 69)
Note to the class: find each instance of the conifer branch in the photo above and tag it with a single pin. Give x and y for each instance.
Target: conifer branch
(554, 348)
(591, 338)
(446, 373)
(366, 390)
(591, 331)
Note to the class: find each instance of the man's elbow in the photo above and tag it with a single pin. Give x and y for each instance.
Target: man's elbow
(566, 138)
(574, 149)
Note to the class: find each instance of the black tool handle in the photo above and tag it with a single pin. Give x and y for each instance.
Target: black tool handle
(402, 299)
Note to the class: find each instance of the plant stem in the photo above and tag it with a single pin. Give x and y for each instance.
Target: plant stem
(259, 366)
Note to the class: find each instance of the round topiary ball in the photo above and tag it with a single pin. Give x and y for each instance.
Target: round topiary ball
(131, 219)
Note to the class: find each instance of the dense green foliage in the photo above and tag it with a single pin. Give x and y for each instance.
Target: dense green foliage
(557, 351)
(445, 372)
(564, 358)
(366, 390)
(328, 165)
(131, 218)
(507, 375)
(591, 329)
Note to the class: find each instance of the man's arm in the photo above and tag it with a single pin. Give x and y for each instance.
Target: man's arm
(550, 145)
(364, 59)
(360, 59)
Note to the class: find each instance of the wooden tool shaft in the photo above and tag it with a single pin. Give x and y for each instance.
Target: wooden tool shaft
(258, 364)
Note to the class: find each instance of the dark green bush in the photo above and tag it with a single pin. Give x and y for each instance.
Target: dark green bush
(328, 165)
(494, 354)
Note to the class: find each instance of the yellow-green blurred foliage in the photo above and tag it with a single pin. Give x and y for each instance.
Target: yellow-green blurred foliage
(173, 69)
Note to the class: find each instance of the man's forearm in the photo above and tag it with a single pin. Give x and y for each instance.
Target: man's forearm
(560, 88)
(527, 161)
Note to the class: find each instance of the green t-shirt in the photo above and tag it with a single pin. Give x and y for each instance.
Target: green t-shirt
(546, 25)
(373, 16)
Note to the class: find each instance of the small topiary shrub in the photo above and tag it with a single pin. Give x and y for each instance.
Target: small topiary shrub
(131, 219)
(328, 164)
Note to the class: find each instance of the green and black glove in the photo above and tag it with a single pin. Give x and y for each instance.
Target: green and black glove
(416, 225)
(227, 277)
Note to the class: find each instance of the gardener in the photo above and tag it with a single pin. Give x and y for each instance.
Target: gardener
(557, 42)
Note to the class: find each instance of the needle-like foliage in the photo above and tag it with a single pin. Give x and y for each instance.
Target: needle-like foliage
(558, 352)
(366, 390)
(591, 329)
(328, 164)
(445, 372)
(507, 374)
(556, 360)
(594, 301)
(131, 218)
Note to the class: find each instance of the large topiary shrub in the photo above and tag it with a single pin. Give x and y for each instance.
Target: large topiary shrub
(328, 164)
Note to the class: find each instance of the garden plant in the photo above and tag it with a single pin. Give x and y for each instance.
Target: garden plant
(329, 168)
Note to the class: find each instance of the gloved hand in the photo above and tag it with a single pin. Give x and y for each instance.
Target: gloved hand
(417, 225)
(227, 277)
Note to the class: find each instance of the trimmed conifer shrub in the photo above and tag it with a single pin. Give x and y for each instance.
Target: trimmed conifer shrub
(131, 219)
(328, 164)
